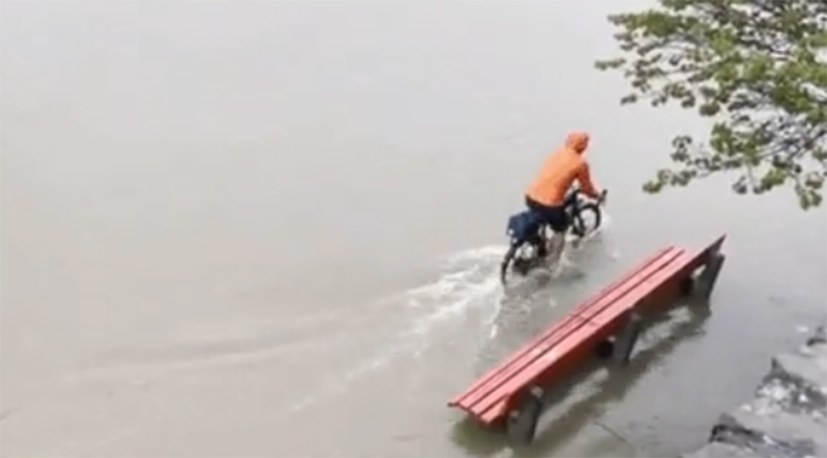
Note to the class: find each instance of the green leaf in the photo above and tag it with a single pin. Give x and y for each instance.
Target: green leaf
(760, 70)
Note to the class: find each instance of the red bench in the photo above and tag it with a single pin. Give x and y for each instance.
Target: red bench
(512, 392)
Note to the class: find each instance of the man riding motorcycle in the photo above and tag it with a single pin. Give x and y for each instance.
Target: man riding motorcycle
(545, 196)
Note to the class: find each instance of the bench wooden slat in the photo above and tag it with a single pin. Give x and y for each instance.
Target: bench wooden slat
(607, 319)
(611, 312)
(528, 369)
(514, 374)
(460, 400)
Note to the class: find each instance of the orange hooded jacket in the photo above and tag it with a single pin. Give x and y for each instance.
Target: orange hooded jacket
(560, 170)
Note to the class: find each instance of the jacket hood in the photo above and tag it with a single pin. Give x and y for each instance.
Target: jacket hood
(577, 141)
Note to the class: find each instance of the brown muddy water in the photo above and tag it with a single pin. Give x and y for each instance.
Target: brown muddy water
(272, 229)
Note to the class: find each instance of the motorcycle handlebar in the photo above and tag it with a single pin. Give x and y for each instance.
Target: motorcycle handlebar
(602, 199)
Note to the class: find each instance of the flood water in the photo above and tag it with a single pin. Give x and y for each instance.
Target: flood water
(273, 228)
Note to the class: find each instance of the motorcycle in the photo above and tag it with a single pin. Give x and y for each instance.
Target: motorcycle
(529, 237)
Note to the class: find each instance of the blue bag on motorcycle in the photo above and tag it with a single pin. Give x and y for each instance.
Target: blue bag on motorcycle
(524, 225)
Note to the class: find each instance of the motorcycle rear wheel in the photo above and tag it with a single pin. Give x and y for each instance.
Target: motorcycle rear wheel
(517, 262)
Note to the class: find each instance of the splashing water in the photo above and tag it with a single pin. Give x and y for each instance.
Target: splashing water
(469, 282)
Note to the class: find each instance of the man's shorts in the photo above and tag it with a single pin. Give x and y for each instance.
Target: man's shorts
(553, 216)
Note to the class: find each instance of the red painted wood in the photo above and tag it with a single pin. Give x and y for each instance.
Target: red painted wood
(554, 353)
(579, 339)
(471, 398)
(522, 351)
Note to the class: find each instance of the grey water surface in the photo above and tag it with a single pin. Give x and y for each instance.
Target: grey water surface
(273, 229)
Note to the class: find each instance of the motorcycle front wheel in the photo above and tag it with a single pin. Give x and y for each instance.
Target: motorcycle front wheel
(586, 220)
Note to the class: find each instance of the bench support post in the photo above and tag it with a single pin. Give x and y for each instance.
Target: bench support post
(521, 423)
(687, 285)
(709, 275)
(626, 339)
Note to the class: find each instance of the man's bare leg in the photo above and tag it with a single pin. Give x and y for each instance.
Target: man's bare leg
(556, 245)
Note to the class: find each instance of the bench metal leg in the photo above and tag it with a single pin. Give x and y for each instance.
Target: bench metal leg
(709, 275)
(687, 286)
(605, 349)
(625, 342)
(521, 423)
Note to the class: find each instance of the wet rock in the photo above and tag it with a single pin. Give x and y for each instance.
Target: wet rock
(787, 417)
(724, 450)
(820, 336)
(806, 374)
(780, 433)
